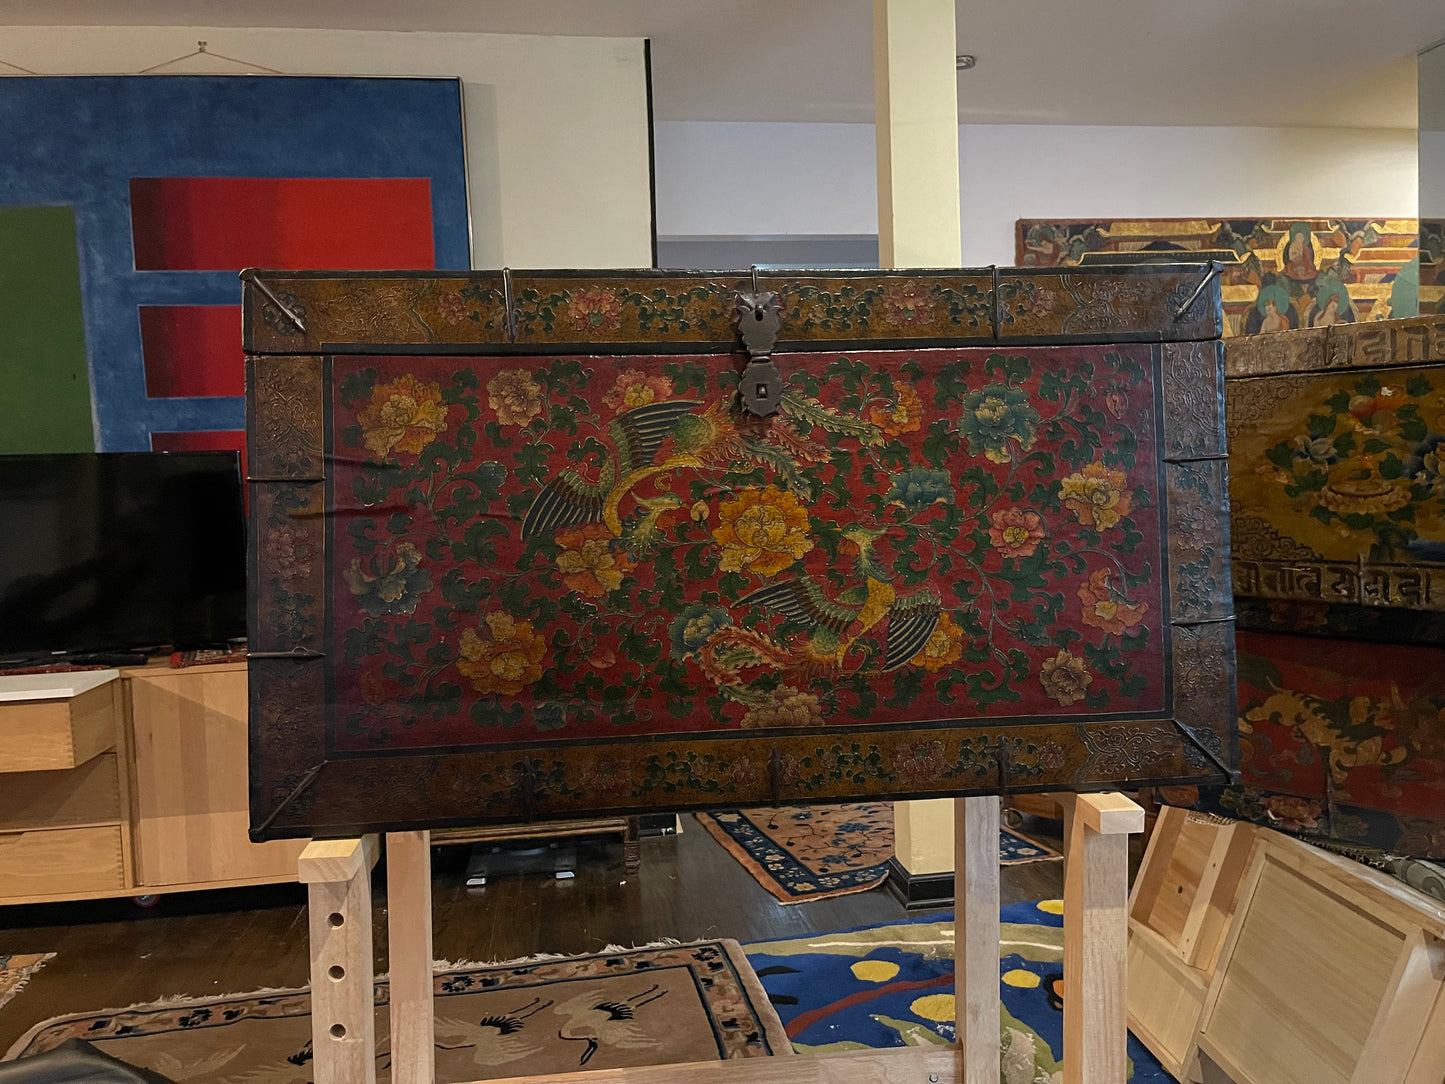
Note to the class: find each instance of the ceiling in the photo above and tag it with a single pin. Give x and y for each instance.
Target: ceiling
(1334, 63)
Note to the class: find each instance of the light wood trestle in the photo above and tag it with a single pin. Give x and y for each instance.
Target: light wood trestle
(337, 874)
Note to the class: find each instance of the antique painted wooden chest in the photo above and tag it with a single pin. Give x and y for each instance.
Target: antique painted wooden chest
(1338, 522)
(567, 543)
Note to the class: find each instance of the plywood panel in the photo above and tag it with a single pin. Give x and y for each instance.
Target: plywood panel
(87, 795)
(61, 860)
(1165, 999)
(1170, 913)
(190, 778)
(1305, 978)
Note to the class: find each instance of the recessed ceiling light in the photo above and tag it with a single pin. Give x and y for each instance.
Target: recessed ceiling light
(964, 61)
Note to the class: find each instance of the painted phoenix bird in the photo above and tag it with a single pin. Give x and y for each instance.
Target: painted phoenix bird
(636, 435)
(711, 438)
(835, 625)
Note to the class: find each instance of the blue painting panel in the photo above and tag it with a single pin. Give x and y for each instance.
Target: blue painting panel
(79, 141)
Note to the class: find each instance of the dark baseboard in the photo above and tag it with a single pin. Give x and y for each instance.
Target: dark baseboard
(919, 891)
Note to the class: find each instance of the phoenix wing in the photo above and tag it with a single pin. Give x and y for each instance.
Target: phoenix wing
(911, 622)
(636, 435)
(802, 601)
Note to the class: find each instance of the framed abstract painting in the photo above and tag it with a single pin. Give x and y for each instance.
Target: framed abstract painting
(146, 194)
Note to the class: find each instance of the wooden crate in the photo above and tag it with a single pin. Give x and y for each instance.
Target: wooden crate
(1332, 973)
(1179, 912)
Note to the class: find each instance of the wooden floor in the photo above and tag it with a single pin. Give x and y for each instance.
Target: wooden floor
(111, 953)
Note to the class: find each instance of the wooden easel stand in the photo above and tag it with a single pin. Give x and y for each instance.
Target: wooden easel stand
(1096, 883)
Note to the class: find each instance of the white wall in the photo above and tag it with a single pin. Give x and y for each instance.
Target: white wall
(722, 179)
(1432, 133)
(556, 128)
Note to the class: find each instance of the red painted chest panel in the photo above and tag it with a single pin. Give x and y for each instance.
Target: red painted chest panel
(493, 584)
(599, 548)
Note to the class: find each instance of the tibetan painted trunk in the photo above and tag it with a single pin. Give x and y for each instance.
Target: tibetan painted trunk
(1338, 517)
(572, 543)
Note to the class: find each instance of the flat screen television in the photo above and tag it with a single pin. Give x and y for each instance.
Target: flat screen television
(116, 552)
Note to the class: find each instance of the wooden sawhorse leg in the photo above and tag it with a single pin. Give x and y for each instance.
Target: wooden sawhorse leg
(976, 937)
(337, 873)
(409, 950)
(1096, 930)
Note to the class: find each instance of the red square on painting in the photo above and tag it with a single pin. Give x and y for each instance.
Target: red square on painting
(192, 350)
(289, 223)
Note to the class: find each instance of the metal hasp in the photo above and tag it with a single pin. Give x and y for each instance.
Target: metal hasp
(760, 388)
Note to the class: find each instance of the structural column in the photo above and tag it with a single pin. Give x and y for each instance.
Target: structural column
(916, 115)
(915, 94)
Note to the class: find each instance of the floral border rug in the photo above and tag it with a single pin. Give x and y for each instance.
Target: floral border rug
(16, 969)
(813, 852)
(892, 985)
(618, 1009)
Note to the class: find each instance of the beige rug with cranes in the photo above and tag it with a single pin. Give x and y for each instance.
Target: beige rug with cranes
(615, 1009)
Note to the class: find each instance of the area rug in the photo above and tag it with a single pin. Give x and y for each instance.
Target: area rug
(16, 969)
(892, 985)
(649, 1006)
(803, 853)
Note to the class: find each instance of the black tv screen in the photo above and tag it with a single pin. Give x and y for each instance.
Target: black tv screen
(120, 551)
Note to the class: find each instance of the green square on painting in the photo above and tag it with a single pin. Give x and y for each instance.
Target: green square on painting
(44, 378)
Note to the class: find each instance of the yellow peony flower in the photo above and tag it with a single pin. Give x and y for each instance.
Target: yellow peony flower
(515, 396)
(787, 706)
(506, 662)
(1064, 677)
(404, 415)
(1096, 495)
(588, 562)
(944, 647)
(764, 530)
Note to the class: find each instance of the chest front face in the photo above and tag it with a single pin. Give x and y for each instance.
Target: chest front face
(572, 583)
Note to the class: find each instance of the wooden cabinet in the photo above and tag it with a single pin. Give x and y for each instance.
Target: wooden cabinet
(189, 730)
(63, 807)
(128, 783)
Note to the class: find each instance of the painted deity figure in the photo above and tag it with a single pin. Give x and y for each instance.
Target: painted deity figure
(1299, 254)
(1272, 311)
(1331, 305)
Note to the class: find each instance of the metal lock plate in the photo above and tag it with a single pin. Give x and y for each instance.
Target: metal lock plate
(759, 319)
(761, 387)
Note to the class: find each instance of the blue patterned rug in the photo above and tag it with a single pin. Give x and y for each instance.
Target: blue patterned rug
(804, 853)
(892, 985)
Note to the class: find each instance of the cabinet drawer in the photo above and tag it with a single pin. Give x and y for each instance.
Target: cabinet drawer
(43, 735)
(69, 798)
(61, 860)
